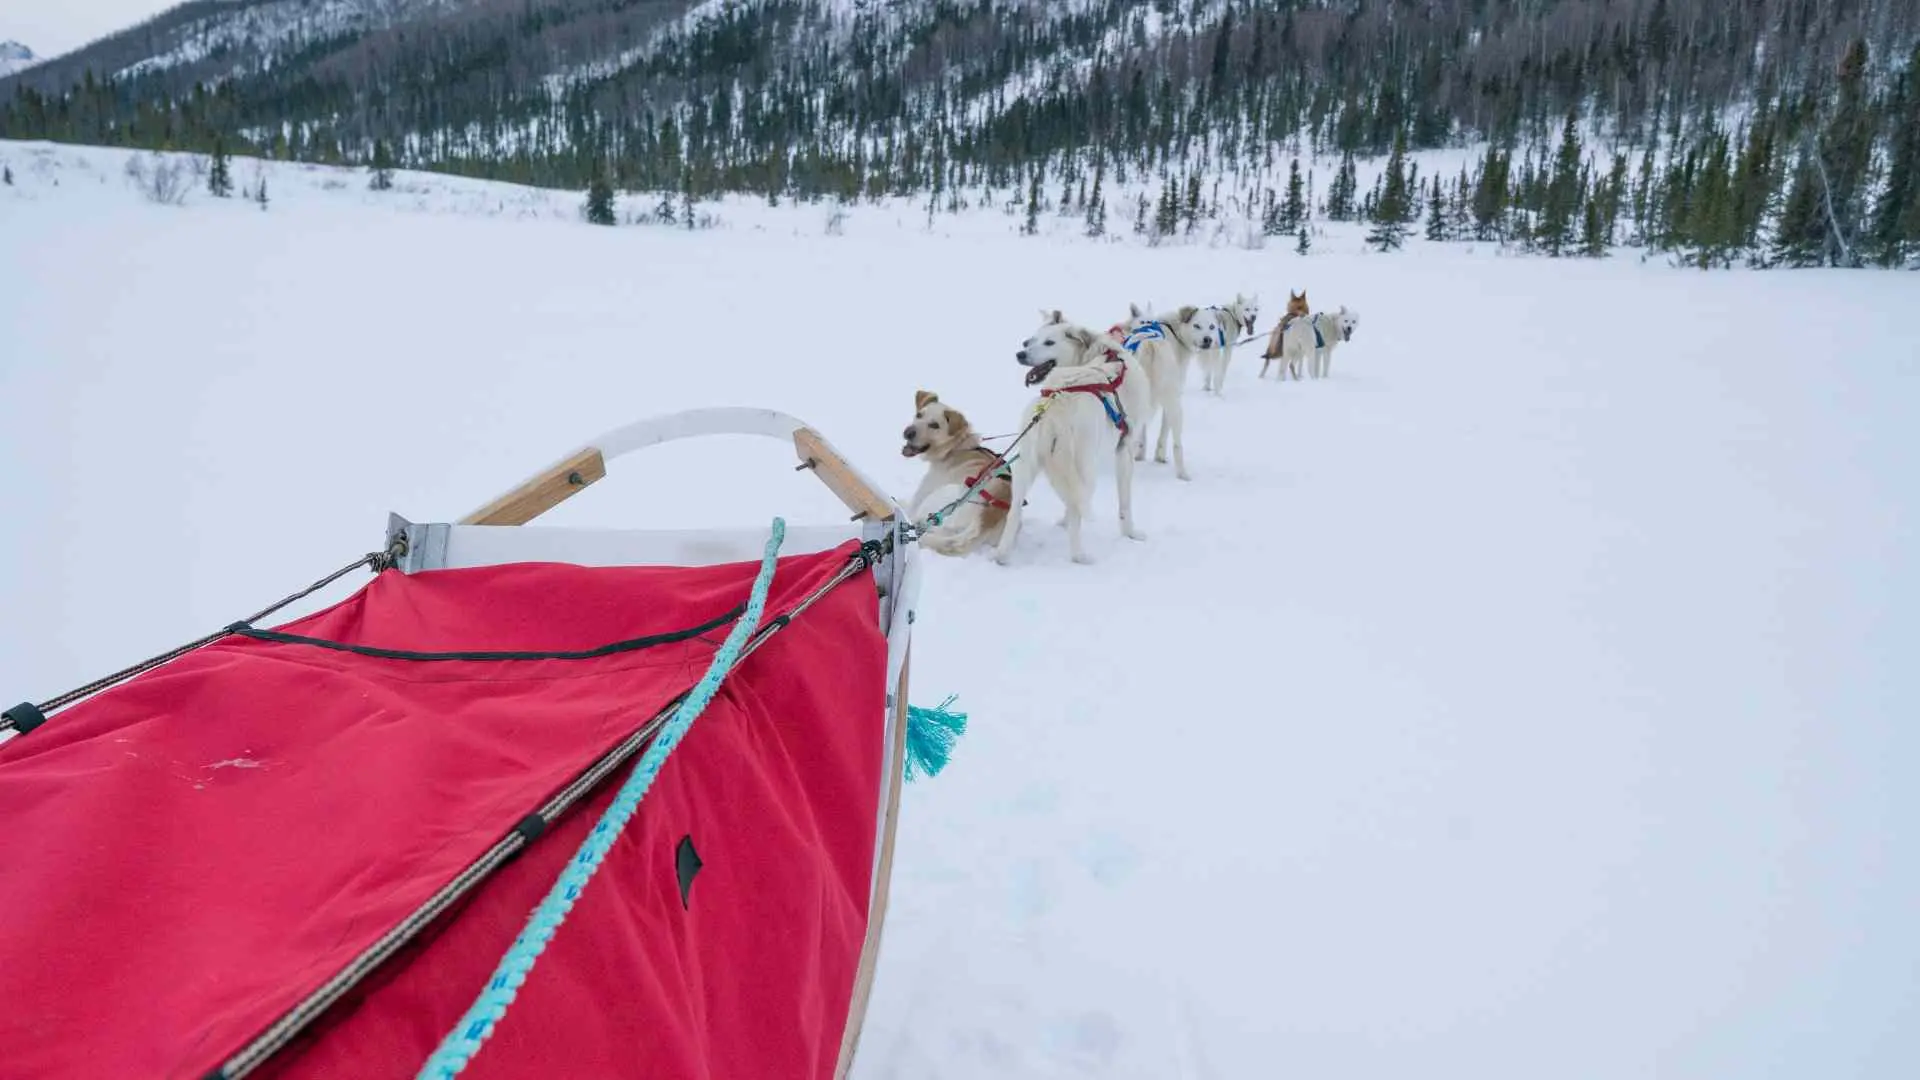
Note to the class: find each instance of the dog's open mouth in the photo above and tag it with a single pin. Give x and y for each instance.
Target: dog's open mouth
(910, 450)
(1038, 372)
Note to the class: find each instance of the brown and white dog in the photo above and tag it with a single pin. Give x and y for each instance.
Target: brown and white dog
(941, 435)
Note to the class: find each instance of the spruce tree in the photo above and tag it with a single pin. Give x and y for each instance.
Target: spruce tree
(1436, 213)
(687, 216)
(1846, 152)
(1141, 206)
(1097, 206)
(1032, 227)
(1895, 231)
(1193, 203)
(220, 172)
(1294, 210)
(1166, 220)
(1343, 190)
(1392, 209)
(1490, 195)
(382, 167)
(1801, 230)
(1562, 197)
(600, 202)
(260, 193)
(6, 174)
(1303, 243)
(1593, 230)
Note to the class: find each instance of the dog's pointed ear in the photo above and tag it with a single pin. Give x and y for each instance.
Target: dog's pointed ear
(1081, 336)
(1133, 311)
(1045, 316)
(923, 398)
(1187, 313)
(1056, 317)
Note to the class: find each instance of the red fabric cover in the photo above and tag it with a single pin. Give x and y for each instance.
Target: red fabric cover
(185, 857)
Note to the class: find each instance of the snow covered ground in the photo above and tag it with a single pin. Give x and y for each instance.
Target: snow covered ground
(1532, 698)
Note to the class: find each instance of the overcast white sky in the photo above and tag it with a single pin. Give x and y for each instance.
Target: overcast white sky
(52, 27)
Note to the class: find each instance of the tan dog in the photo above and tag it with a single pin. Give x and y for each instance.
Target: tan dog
(1296, 309)
(955, 459)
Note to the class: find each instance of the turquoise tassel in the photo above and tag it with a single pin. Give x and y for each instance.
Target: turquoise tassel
(931, 734)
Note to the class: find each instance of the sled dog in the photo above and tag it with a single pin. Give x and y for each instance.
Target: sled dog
(1166, 345)
(1236, 321)
(1296, 309)
(1094, 394)
(941, 436)
(1313, 339)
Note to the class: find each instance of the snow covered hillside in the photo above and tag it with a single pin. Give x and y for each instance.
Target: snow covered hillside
(1532, 698)
(15, 57)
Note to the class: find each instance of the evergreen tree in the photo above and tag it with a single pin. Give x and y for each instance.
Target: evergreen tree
(1801, 230)
(1710, 228)
(1392, 209)
(1140, 215)
(1845, 153)
(260, 193)
(1166, 220)
(6, 175)
(1294, 210)
(1302, 243)
(600, 202)
(1562, 201)
(1032, 227)
(664, 211)
(1436, 213)
(687, 216)
(1341, 193)
(1490, 195)
(1270, 223)
(220, 173)
(1593, 230)
(1895, 232)
(1097, 206)
(1613, 196)
(1193, 203)
(1752, 185)
(382, 167)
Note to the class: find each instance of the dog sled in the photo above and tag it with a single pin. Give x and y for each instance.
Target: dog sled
(533, 801)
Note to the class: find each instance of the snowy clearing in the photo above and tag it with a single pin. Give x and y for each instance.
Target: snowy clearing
(1531, 698)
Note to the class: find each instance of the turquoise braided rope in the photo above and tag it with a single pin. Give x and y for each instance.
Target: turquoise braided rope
(457, 1049)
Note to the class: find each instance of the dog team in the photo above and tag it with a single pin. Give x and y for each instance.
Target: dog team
(1096, 393)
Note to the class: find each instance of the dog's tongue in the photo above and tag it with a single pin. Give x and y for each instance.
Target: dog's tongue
(1036, 374)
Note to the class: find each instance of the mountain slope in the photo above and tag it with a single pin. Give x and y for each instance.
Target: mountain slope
(15, 57)
(1211, 98)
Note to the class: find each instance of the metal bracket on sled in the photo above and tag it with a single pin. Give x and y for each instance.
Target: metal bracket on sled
(425, 546)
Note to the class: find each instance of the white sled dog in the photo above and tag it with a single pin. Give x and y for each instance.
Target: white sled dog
(1093, 397)
(1166, 344)
(1236, 321)
(1313, 340)
(941, 436)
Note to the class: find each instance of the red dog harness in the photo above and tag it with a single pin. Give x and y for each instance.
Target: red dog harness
(975, 485)
(1108, 393)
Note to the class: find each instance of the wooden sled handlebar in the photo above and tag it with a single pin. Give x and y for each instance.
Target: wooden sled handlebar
(586, 466)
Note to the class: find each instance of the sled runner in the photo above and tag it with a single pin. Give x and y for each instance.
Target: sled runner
(399, 837)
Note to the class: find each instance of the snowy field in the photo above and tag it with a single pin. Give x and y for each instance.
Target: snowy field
(1533, 698)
